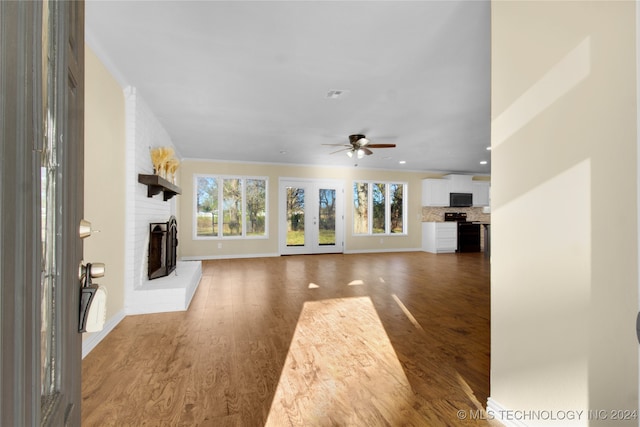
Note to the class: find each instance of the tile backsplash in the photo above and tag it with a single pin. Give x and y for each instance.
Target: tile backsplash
(433, 214)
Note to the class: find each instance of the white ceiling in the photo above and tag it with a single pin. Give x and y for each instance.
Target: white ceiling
(248, 81)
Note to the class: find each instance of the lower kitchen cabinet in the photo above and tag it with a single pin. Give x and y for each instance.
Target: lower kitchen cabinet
(439, 237)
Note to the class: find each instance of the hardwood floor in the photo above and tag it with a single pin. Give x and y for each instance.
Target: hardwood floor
(318, 340)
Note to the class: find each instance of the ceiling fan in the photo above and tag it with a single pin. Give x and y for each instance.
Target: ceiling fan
(360, 146)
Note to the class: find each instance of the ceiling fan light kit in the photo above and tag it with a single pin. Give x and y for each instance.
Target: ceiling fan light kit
(360, 145)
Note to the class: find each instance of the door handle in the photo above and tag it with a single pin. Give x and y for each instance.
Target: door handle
(93, 299)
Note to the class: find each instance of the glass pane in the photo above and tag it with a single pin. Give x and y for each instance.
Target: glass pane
(48, 280)
(232, 207)
(379, 207)
(360, 208)
(50, 225)
(327, 217)
(207, 206)
(396, 192)
(256, 207)
(295, 216)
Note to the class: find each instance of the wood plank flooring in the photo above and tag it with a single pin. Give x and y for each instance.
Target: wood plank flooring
(317, 340)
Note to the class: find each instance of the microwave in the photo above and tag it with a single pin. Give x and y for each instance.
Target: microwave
(460, 200)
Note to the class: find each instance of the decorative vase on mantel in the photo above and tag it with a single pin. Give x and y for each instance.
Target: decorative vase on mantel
(164, 163)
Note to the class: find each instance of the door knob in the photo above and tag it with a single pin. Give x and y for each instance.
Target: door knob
(92, 270)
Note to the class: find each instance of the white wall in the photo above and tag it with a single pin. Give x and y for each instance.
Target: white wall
(564, 233)
(143, 132)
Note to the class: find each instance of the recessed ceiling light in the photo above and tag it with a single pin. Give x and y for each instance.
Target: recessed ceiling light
(489, 148)
(283, 152)
(483, 162)
(402, 162)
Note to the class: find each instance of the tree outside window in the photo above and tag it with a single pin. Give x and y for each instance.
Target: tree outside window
(232, 212)
(360, 208)
(207, 206)
(379, 209)
(242, 213)
(256, 212)
(396, 192)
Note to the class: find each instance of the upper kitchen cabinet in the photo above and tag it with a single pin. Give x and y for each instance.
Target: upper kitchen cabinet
(481, 193)
(459, 183)
(435, 192)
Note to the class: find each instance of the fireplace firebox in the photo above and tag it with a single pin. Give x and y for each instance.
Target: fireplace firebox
(163, 242)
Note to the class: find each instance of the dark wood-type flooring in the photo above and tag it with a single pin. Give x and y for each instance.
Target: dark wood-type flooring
(393, 339)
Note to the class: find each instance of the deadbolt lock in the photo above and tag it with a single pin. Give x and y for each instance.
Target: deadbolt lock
(85, 229)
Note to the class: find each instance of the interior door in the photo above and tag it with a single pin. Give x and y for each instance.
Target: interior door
(311, 217)
(41, 193)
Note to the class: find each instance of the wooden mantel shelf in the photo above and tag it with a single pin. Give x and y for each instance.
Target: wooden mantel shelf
(155, 184)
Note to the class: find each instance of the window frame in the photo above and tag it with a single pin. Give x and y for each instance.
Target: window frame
(243, 217)
(387, 209)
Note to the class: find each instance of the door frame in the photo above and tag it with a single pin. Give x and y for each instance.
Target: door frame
(637, 19)
(313, 246)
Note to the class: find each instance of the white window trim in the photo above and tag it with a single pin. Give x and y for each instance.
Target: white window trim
(220, 179)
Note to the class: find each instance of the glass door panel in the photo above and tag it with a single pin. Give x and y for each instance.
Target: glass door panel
(295, 217)
(327, 217)
(310, 217)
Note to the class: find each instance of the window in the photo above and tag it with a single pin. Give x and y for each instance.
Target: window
(378, 208)
(233, 207)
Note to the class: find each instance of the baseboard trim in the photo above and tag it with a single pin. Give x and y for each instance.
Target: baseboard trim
(268, 255)
(208, 257)
(377, 251)
(93, 339)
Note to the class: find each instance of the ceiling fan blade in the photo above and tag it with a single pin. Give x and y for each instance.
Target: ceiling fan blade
(381, 145)
(343, 149)
(366, 151)
(337, 145)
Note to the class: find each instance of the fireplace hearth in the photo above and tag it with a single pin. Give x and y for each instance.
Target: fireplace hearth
(163, 242)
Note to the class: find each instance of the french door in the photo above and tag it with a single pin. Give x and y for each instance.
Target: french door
(311, 216)
(41, 204)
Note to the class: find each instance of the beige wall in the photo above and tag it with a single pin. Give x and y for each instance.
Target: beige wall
(105, 177)
(208, 248)
(564, 235)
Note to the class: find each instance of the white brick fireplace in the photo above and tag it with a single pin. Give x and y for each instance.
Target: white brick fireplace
(173, 292)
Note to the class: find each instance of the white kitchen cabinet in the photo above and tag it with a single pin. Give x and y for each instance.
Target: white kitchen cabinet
(459, 183)
(481, 193)
(439, 237)
(435, 192)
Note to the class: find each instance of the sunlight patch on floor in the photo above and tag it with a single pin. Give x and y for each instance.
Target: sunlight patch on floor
(356, 282)
(407, 312)
(341, 369)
